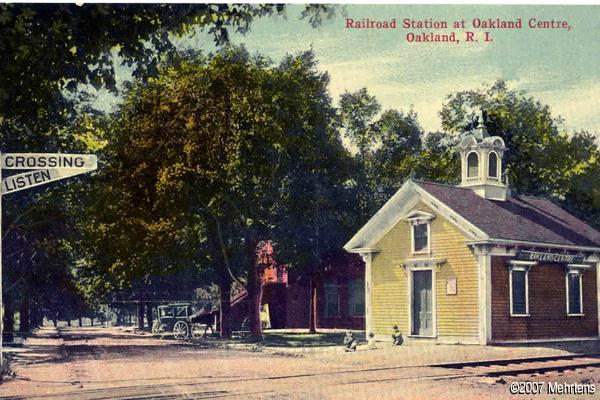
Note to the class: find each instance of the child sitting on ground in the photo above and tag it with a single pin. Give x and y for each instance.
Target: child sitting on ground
(397, 339)
(350, 341)
(371, 342)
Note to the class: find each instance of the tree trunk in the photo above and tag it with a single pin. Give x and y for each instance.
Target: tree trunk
(225, 321)
(254, 289)
(218, 252)
(92, 320)
(8, 323)
(254, 294)
(24, 324)
(80, 321)
(149, 315)
(55, 322)
(312, 328)
(39, 320)
(140, 316)
(35, 317)
(69, 322)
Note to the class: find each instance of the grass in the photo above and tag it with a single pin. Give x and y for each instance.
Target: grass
(302, 339)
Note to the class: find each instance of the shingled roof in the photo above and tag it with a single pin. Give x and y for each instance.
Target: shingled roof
(519, 218)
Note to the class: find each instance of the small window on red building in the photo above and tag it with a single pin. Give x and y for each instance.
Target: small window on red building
(574, 293)
(519, 305)
(332, 298)
(356, 297)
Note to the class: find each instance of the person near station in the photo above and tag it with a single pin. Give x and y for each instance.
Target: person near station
(350, 342)
(397, 338)
(371, 342)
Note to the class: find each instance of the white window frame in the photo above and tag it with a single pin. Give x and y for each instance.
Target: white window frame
(427, 250)
(573, 269)
(417, 217)
(497, 177)
(519, 266)
(478, 176)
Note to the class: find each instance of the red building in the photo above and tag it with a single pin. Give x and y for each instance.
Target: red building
(340, 296)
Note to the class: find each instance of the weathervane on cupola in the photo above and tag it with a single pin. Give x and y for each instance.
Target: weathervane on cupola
(480, 131)
(481, 160)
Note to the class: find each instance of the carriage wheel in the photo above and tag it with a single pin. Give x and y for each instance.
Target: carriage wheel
(198, 331)
(180, 330)
(155, 327)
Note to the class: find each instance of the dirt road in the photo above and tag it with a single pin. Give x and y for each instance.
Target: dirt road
(100, 363)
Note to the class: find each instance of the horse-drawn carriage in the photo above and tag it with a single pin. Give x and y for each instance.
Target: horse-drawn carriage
(179, 319)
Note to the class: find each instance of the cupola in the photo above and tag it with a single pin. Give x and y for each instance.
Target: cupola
(481, 160)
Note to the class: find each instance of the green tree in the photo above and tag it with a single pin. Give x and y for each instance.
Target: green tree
(53, 51)
(541, 158)
(55, 47)
(546, 156)
(358, 111)
(388, 146)
(206, 154)
(438, 160)
(316, 216)
(399, 135)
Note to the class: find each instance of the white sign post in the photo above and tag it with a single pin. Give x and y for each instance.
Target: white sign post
(42, 168)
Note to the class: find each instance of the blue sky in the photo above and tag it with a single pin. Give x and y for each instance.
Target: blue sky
(556, 66)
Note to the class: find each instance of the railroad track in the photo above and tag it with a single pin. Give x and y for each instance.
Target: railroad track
(501, 368)
(518, 366)
(230, 387)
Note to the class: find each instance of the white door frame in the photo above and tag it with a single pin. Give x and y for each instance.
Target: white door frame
(410, 290)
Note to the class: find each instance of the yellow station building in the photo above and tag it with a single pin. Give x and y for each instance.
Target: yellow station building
(476, 263)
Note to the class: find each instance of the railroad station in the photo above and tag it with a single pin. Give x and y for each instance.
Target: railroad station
(478, 263)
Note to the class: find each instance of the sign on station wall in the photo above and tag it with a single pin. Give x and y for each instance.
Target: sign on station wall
(540, 256)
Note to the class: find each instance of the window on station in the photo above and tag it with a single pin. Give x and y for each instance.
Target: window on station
(574, 293)
(472, 165)
(332, 298)
(356, 297)
(493, 165)
(519, 302)
(420, 238)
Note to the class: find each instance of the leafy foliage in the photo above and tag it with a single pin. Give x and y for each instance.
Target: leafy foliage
(50, 51)
(541, 158)
(57, 46)
(214, 156)
(388, 147)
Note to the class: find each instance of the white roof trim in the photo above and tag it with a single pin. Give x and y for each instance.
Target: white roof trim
(418, 214)
(384, 219)
(525, 243)
(397, 207)
(362, 250)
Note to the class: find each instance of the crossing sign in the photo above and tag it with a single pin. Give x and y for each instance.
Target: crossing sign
(49, 161)
(42, 168)
(37, 177)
